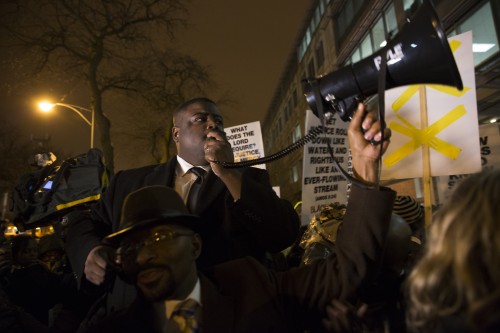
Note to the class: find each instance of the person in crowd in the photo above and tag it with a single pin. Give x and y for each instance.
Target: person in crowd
(242, 215)
(51, 298)
(455, 286)
(31, 285)
(13, 319)
(343, 317)
(159, 243)
(380, 307)
(51, 253)
(24, 251)
(413, 213)
(5, 255)
(319, 239)
(67, 314)
(295, 252)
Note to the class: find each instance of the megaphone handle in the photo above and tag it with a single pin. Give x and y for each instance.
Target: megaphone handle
(381, 111)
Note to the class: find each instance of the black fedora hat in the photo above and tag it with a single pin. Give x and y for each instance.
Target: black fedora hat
(152, 205)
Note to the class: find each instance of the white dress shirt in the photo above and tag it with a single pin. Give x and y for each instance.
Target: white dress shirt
(184, 179)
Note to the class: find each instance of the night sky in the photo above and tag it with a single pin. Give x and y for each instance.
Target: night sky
(245, 44)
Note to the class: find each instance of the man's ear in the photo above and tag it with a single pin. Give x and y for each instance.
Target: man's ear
(175, 133)
(197, 245)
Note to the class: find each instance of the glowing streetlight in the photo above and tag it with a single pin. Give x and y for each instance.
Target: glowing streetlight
(47, 106)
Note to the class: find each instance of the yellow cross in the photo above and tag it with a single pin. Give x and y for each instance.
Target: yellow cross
(425, 136)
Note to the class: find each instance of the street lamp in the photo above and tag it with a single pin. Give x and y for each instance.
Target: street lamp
(47, 106)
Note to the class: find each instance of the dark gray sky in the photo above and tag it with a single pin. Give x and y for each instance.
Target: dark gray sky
(246, 44)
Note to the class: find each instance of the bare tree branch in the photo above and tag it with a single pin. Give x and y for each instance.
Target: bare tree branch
(112, 46)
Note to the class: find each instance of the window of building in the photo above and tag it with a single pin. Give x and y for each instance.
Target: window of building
(366, 46)
(484, 36)
(296, 134)
(321, 8)
(346, 16)
(315, 19)
(374, 38)
(311, 70)
(341, 25)
(356, 56)
(307, 37)
(348, 10)
(320, 55)
(290, 107)
(294, 98)
(378, 34)
(407, 4)
(294, 174)
(391, 22)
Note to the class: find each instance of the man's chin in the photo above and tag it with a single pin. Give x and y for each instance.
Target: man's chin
(155, 283)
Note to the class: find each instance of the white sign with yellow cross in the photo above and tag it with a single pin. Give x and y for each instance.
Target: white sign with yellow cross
(452, 131)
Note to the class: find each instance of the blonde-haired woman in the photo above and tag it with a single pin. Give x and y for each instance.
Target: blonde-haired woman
(455, 287)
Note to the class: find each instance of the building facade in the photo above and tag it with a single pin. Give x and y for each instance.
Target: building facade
(337, 33)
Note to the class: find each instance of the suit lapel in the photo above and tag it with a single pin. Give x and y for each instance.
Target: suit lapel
(163, 174)
(209, 192)
(218, 310)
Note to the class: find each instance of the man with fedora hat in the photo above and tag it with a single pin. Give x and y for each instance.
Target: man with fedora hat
(158, 243)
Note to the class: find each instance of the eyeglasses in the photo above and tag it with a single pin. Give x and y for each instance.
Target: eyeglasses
(128, 252)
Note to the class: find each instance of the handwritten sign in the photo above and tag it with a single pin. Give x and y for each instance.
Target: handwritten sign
(246, 141)
(489, 139)
(322, 182)
(490, 145)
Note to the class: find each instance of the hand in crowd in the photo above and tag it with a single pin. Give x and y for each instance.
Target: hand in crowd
(99, 259)
(342, 317)
(364, 140)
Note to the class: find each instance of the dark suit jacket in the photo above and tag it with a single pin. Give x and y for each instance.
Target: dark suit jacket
(244, 296)
(260, 221)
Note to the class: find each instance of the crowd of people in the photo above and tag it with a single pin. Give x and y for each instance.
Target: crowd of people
(191, 246)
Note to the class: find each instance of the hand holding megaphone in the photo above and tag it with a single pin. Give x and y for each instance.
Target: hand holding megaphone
(364, 130)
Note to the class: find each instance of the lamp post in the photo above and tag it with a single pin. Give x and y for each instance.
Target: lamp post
(47, 106)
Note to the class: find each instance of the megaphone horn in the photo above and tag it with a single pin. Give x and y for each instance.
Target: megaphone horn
(418, 54)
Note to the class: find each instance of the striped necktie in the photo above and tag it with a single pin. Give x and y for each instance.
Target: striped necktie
(187, 315)
(194, 192)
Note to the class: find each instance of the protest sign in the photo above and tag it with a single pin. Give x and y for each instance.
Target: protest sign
(322, 182)
(489, 140)
(452, 132)
(246, 141)
(490, 145)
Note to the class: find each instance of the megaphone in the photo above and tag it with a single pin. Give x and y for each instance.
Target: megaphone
(418, 54)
